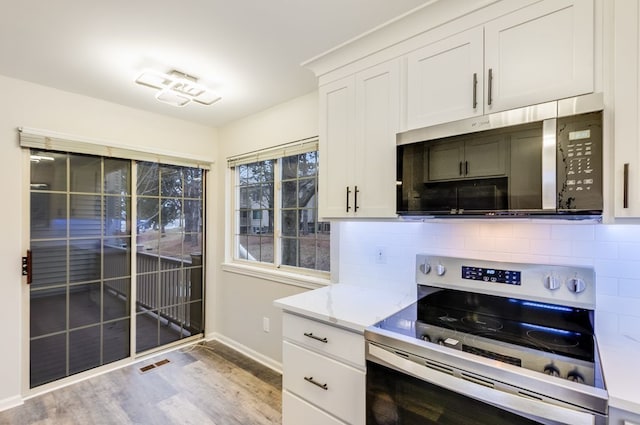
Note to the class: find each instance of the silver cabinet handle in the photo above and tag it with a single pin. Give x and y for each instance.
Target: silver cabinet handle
(475, 90)
(317, 338)
(317, 384)
(625, 187)
(490, 85)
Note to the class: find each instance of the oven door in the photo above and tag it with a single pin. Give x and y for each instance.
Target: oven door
(403, 392)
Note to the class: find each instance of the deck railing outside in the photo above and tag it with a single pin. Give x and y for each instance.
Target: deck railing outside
(165, 285)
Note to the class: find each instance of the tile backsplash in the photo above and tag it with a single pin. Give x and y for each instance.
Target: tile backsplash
(613, 250)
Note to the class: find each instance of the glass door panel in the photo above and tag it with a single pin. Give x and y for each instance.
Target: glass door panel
(80, 243)
(169, 254)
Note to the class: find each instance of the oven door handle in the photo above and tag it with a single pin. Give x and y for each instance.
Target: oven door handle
(504, 400)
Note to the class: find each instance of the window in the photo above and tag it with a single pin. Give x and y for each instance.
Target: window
(275, 209)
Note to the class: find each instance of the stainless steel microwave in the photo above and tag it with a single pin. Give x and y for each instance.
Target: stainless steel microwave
(544, 160)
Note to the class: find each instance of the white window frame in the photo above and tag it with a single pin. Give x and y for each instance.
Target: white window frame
(277, 272)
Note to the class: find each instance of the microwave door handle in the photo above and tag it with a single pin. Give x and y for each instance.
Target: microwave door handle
(480, 392)
(549, 164)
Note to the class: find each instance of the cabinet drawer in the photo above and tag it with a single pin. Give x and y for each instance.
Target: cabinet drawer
(324, 382)
(339, 343)
(296, 411)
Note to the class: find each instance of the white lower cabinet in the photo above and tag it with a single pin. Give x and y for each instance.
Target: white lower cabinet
(299, 412)
(323, 374)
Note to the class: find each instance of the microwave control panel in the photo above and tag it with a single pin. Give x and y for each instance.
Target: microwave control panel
(579, 162)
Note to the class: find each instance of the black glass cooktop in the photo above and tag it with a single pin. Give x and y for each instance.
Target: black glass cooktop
(448, 316)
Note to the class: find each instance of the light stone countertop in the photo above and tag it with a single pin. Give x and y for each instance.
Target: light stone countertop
(349, 306)
(619, 355)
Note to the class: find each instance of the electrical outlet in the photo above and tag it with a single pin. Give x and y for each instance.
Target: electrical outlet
(381, 255)
(265, 324)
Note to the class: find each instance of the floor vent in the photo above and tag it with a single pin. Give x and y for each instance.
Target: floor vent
(161, 362)
(147, 368)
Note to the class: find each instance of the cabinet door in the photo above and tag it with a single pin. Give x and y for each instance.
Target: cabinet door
(296, 411)
(446, 161)
(539, 53)
(485, 157)
(330, 385)
(626, 196)
(336, 147)
(377, 121)
(444, 80)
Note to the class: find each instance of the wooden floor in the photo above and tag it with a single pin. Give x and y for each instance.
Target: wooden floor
(201, 385)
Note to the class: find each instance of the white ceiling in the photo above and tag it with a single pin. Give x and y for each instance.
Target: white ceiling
(248, 50)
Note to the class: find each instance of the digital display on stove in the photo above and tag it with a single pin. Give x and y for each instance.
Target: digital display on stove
(509, 277)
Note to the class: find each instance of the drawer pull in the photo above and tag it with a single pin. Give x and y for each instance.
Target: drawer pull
(317, 384)
(317, 338)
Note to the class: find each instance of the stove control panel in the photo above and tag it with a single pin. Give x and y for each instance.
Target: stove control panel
(573, 286)
(510, 277)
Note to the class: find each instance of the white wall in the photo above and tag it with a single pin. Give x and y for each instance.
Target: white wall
(612, 249)
(30, 105)
(243, 301)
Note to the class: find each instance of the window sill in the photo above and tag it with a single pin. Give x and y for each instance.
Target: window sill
(279, 276)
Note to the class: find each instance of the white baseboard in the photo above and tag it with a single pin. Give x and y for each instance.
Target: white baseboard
(252, 354)
(10, 402)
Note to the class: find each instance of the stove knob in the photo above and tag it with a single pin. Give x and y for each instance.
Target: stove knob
(577, 285)
(551, 370)
(551, 283)
(426, 337)
(425, 267)
(575, 377)
(441, 270)
(441, 341)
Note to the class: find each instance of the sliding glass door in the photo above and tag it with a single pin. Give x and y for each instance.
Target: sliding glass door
(169, 254)
(81, 215)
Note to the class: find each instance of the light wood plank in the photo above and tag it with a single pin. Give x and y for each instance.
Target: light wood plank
(206, 384)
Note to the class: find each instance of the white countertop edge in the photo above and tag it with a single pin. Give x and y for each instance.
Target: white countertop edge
(345, 324)
(624, 404)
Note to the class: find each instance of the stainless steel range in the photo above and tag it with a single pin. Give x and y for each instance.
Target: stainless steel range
(488, 343)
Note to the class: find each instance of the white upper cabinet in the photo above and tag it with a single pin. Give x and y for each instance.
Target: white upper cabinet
(626, 195)
(536, 54)
(359, 118)
(540, 53)
(445, 80)
(336, 147)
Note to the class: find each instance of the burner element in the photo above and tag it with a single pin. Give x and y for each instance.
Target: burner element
(482, 323)
(551, 338)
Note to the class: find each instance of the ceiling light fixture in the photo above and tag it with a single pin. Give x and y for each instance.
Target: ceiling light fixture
(177, 88)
